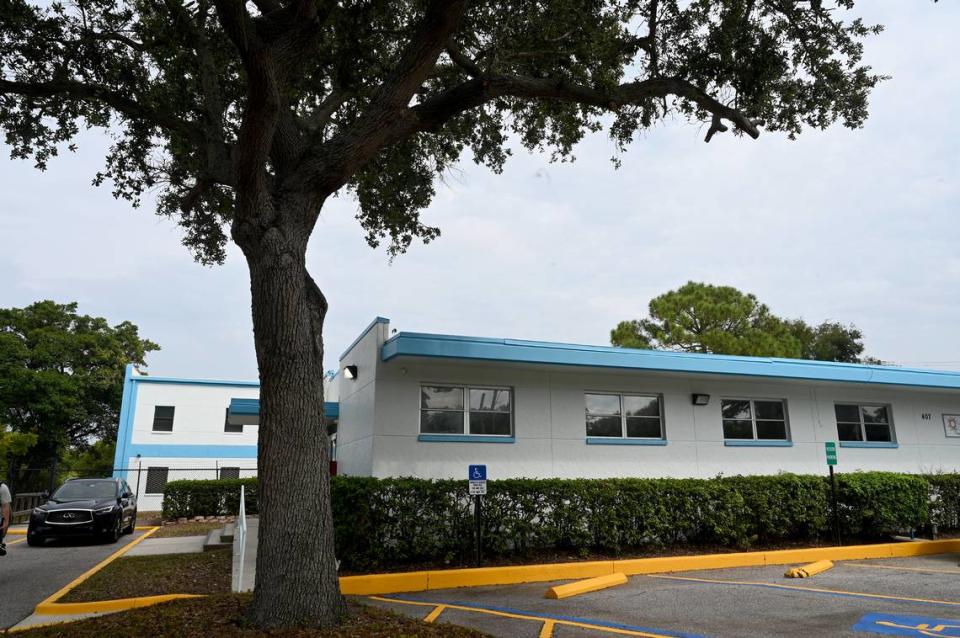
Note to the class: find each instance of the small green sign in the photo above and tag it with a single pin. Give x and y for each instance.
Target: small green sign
(831, 452)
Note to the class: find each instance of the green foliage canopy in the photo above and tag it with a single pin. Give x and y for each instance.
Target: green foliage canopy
(384, 97)
(700, 317)
(61, 375)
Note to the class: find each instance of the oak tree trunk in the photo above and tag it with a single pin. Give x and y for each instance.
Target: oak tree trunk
(296, 579)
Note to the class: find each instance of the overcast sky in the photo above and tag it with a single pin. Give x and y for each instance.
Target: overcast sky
(855, 226)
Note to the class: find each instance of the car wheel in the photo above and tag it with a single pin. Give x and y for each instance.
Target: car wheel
(35, 540)
(133, 523)
(114, 535)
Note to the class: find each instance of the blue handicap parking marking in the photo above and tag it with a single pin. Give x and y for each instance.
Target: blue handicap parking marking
(478, 473)
(899, 625)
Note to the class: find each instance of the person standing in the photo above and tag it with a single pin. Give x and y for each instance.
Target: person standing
(4, 515)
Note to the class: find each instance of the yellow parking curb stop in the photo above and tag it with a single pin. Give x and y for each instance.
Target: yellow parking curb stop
(586, 586)
(809, 570)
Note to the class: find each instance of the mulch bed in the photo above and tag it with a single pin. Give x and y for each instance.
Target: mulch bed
(223, 616)
(201, 573)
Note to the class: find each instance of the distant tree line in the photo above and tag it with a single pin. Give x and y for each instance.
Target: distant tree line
(699, 317)
(61, 382)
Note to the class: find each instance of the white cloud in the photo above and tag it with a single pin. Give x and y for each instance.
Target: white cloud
(856, 226)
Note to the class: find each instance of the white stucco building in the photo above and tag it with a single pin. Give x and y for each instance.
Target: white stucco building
(427, 405)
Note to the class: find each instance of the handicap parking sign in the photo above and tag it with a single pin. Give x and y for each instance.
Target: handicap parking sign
(899, 625)
(477, 473)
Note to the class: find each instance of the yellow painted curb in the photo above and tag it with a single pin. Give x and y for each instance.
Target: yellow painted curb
(119, 604)
(809, 570)
(444, 579)
(49, 606)
(586, 586)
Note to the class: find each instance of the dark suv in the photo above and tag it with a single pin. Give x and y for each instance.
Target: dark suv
(105, 508)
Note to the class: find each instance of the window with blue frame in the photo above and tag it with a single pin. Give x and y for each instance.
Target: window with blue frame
(633, 416)
(754, 420)
(869, 423)
(472, 410)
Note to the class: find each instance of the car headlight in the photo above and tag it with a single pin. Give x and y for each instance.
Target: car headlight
(39, 510)
(104, 510)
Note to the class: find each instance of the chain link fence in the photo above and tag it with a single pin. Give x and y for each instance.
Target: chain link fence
(148, 480)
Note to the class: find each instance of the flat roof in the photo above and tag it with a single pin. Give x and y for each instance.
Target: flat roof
(415, 344)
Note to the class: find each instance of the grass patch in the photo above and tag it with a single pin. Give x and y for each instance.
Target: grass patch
(202, 573)
(186, 529)
(223, 615)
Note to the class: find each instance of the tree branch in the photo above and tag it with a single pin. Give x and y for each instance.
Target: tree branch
(420, 56)
(434, 112)
(91, 93)
(237, 24)
(319, 118)
(462, 60)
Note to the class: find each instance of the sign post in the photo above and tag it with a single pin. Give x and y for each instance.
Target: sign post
(477, 475)
(831, 449)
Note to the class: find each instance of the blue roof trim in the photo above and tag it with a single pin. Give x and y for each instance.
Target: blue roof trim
(363, 334)
(512, 350)
(248, 407)
(244, 406)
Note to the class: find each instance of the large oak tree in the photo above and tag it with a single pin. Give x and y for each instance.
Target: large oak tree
(698, 317)
(249, 116)
(61, 379)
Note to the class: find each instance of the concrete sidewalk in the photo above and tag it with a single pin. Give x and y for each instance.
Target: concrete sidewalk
(172, 545)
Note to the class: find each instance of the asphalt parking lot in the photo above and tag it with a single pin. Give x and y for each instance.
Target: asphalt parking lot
(28, 575)
(895, 597)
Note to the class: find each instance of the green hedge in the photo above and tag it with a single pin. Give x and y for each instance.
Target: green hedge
(208, 498)
(388, 522)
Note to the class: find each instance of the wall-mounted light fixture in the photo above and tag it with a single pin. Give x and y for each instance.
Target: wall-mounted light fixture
(350, 372)
(701, 399)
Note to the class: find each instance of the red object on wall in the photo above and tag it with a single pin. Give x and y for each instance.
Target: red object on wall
(333, 468)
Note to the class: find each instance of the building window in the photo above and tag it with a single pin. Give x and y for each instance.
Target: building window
(636, 416)
(156, 479)
(485, 411)
(754, 419)
(163, 418)
(231, 428)
(229, 472)
(864, 422)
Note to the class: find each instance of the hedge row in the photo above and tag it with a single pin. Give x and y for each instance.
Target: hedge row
(383, 522)
(208, 498)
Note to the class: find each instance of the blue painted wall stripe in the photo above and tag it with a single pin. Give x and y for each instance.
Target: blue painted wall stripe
(193, 451)
(123, 427)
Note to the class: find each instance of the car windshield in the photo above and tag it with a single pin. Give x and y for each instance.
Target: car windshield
(84, 490)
